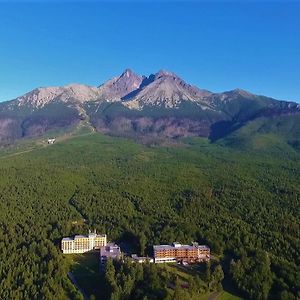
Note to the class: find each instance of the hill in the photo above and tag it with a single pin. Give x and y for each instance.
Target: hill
(281, 133)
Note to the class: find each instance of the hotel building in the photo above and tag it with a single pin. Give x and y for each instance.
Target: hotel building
(181, 253)
(83, 243)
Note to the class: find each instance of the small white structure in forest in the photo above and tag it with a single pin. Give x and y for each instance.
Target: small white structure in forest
(51, 141)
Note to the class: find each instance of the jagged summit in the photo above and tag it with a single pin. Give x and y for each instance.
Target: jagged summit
(118, 87)
(163, 88)
(164, 73)
(128, 73)
(167, 89)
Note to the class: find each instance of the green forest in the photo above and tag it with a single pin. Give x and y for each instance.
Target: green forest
(242, 202)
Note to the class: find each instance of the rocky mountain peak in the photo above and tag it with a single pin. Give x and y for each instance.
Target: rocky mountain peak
(128, 73)
(119, 87)
(165, 74)
(165, 89)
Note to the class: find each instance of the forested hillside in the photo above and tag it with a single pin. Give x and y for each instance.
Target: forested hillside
(241, 201)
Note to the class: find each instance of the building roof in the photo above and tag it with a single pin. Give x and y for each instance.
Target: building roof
(101, 235)
(81, 236)
(67, 239)
(110, 251)
(171, 247)
(203, 247)
(179, 246)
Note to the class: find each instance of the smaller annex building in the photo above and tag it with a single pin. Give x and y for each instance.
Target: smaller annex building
(83, 243)
(141, 259)
(109, 251)
(181, 253)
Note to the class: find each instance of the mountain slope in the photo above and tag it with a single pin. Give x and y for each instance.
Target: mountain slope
(19, 124)
(280, 133)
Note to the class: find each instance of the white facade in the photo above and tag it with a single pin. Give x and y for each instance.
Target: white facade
(165, 260)
(83, 243)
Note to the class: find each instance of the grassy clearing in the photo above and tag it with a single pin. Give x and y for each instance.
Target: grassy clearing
(85, 268)
(227, 296)
(185, 273)
(219, 296)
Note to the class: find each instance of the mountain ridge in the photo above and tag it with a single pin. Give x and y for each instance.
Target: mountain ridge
(159, 105)
(127, 87)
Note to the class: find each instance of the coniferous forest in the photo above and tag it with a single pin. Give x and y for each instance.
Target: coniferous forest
(243, 203)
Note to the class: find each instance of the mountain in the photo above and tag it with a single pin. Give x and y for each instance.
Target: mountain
(158, 106)
(168, 90)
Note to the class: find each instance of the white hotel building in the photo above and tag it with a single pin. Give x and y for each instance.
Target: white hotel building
(83, 243)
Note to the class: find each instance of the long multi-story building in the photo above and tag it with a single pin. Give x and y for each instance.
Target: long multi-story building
(181, 253)
(83, 243)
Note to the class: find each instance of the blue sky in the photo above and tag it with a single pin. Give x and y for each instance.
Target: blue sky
(218, 46)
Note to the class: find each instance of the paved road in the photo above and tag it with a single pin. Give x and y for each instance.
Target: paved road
(84, 294)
